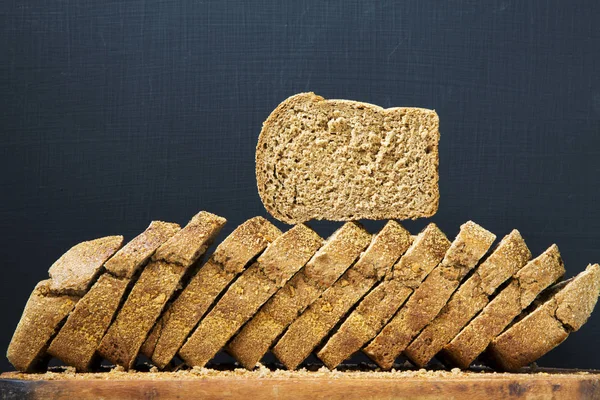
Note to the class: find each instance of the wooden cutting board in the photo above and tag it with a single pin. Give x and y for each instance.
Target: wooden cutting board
(265, 384)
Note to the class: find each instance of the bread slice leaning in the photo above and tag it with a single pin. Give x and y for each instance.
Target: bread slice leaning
(337, 254)
(77, 341)
(53, 299)
(343, 160)
(383, 301)
(309, 329)
(471, 243)
(549, 324)
(230, 258)
(523, 288)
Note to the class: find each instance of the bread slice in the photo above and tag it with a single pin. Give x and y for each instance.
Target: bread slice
(309, 329)
(275, 266)
(75, 271)
(77, 341)
(41, 318)
(549, 324)
(527, 284)
(343, 160)
(425, 303)
(509, 257)
(229, 259)
(338, 253)
(53, 299)
(379, 305)
(155, 286)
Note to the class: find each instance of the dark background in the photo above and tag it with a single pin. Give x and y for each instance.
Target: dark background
(114, 113)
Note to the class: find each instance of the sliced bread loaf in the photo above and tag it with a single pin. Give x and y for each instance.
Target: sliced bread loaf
(273, 268)
(155, 286)
(311, 327)
(229, 259)
(381, 303)
(337, 254)
(527, 284)
(344, 160)
(510, 256)
(549, 324)
(429, 298)
(77, 341)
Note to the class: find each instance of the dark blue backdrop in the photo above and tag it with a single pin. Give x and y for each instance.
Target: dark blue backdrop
(114, 113)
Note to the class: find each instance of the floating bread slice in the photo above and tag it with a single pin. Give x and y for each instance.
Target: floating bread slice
(510, 256)
(527, 284)
(549, 324)
(338, 253)
(311, 327)
(155, 286)
(382, 302)
(53, 299)
(471, 243)
(229, 259)
(77, 341)
(343, 160)
(273, 268)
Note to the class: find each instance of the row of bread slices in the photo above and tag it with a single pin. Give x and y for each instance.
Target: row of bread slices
(294, 294)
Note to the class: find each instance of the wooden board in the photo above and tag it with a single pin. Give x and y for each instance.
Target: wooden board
(263, 384)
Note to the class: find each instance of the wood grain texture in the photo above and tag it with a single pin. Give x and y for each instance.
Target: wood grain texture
(571, 386)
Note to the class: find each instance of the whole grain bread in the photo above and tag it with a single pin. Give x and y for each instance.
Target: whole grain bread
(75, 271)
(41, 318)
(510, 256)
(471, 243)
(383, 301)
(273, 268)
(549, 324)
(311, 327)
(344, 160)
(526, 285)
(338, 253)
(77, 341)
(229, 259)
(155, 286)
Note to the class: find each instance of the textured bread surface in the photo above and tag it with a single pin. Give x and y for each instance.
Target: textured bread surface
(470, 245)
(344, 160)
(337, 254)
(41, 318)
(75, 271)
(307, 331)
(126, 262)
(273, 268)
(526, 285)
(155, 286)
(382, 302)
(510, 256)
(549, 324)
(77, 341)
(229, 259)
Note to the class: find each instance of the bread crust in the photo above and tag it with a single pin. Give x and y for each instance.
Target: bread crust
(344, 160)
